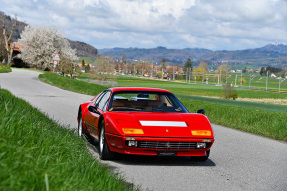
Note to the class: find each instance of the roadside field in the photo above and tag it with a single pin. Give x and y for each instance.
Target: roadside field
(71, 84)
(246, 116)
(38, 154)
(194, 89)
(264, 123)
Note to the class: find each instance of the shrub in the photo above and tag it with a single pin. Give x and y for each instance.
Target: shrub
(229, 92)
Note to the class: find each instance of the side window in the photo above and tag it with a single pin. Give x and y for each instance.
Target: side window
(100, 97)
(104, 101)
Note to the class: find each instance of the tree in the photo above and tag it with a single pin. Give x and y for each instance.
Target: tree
(40, 44)
(7, 40)
(83, 64)
(187, 64)
(163, 64)
(103, 70)
(2, 46)
(223, 71)
(262, 71)
(197, 72)
(203, 66)
(87, 68)
(66, 66)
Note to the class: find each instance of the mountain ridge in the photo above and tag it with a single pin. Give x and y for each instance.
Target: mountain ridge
(270, 54)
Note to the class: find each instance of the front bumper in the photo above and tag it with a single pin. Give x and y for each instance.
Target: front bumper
(118, 144)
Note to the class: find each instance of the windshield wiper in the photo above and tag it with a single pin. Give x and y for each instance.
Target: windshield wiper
(157, 109)
(131, 108)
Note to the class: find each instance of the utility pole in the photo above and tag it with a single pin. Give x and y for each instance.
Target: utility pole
(186, 75)
(189, 74)
(162, 73)
(202, 75)
(220, 77)
(266, 80)
(173, 76)
(235, 79)
(280, 82)
(241, 79)
(249, 80)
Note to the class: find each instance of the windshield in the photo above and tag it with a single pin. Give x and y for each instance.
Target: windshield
(144, 101)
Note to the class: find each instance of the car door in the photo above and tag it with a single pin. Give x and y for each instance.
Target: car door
(92, 117)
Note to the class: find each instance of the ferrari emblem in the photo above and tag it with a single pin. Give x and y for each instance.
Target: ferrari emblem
(166, 130)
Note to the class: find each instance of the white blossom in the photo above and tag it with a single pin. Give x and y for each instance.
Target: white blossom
(40, 44)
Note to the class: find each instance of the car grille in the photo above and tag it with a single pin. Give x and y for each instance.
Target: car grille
(166, 145)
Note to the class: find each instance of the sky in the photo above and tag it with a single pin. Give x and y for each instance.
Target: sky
(210, 24)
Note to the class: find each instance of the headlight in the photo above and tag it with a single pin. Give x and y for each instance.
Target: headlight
(201, 145)
(132, 131)
(132, 143)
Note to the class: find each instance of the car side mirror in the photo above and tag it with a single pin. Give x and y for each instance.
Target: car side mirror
(201, 111)
(93, 109)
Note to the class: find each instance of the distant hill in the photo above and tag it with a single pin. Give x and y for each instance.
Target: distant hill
(273, 55)
(83, 49)
(155, 54)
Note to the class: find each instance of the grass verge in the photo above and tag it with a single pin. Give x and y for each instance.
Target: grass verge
(38, 154)
(5, 69)
(71, 84)
(264, 123)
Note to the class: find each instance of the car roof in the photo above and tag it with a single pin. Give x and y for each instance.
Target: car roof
(137, 89)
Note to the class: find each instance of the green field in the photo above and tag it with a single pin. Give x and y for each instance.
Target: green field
(38, 154)
(194, 89)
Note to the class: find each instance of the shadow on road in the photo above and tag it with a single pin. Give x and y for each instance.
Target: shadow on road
(160, 161)
(155, 160)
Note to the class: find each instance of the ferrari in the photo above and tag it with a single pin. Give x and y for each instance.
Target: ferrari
(144, 121)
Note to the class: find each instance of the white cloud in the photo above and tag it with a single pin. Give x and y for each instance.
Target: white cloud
(220, 24)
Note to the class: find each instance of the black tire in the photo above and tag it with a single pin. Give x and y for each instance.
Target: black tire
(104, 151)
(201, 159)
(81, 130)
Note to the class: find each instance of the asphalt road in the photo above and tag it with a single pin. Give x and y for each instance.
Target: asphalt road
(238, 160)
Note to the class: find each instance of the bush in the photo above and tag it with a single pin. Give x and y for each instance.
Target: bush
(229, 92)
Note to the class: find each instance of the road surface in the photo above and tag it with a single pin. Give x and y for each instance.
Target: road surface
(238, 160)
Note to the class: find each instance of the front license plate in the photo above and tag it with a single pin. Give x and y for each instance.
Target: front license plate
(166, 153)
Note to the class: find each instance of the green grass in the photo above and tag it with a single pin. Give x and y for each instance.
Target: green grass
(38, 154)
(268, 124)
(71, 84)
(5, 69)
(192, 89)
(89, 60)
(242, 104)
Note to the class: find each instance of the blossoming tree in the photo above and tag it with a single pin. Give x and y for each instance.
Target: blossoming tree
(39, 44)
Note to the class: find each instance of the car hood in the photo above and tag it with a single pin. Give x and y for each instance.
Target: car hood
(156, 124)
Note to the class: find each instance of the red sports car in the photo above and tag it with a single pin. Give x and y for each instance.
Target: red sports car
(144, 121)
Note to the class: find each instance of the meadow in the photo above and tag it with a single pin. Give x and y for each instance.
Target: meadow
(194, 89)
(38, 154)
